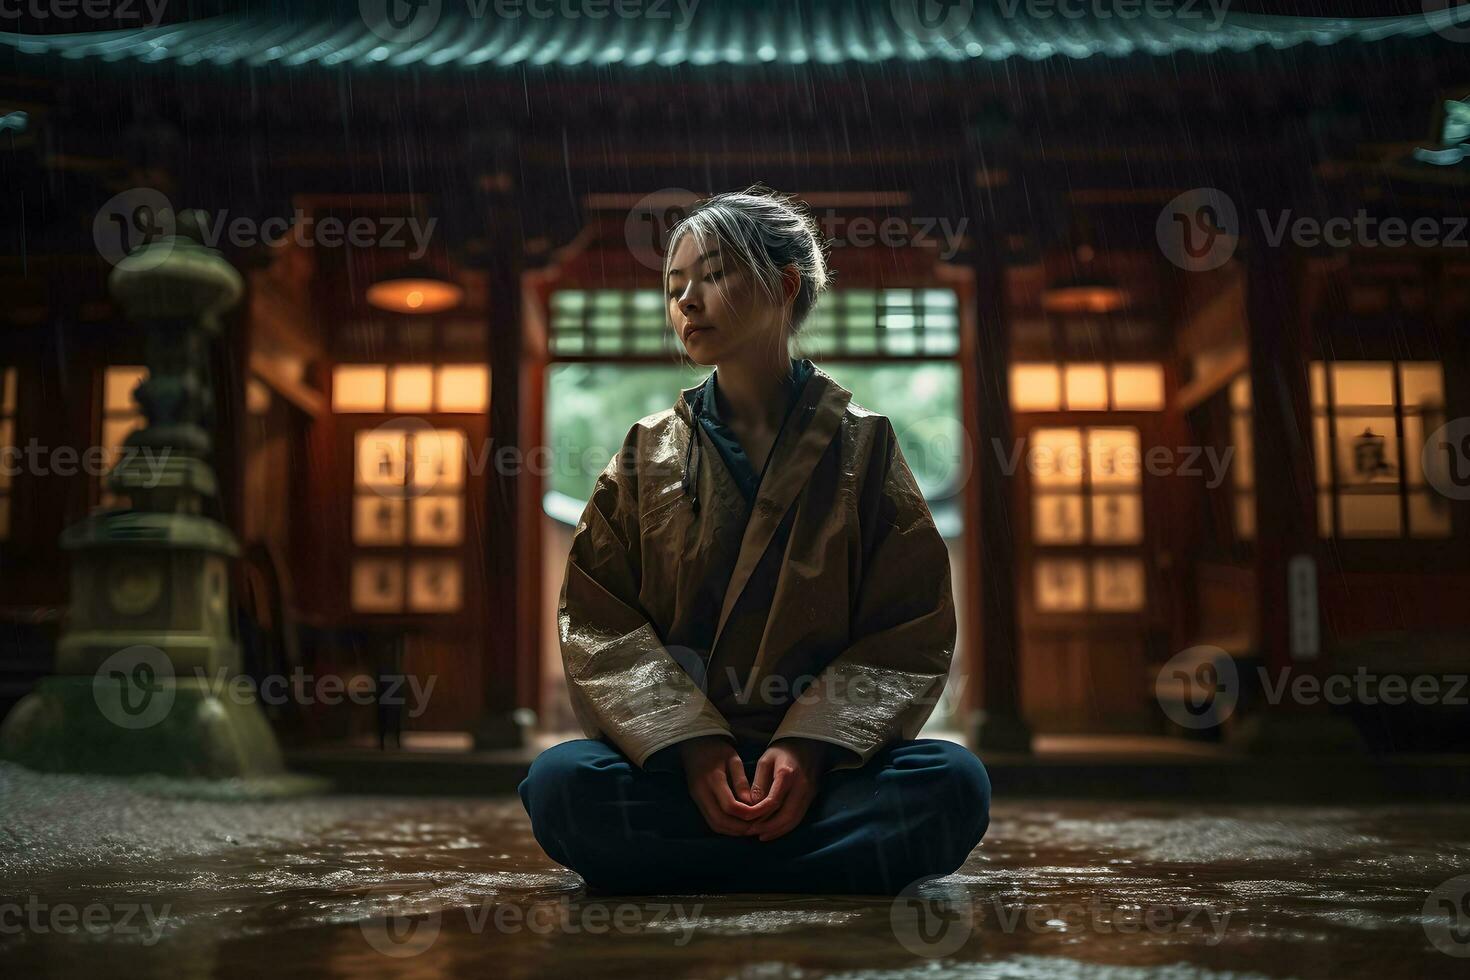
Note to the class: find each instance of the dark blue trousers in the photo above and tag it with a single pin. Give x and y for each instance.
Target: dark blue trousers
(917, 809)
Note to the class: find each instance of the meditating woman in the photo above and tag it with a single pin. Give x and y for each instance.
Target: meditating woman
(757, 616)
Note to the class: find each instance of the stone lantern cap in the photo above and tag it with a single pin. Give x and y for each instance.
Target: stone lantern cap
(150, 530)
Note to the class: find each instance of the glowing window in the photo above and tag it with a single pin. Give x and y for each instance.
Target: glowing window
(437, 520)
(1058, 518)
(1370, 421)
(377, 585)
(464, 388)
(1086, 386)
(378, 388)
(377, 520)
(1138, 387)
(1087, 493)
(1061, 585)
(1043, 386)
(411, 388)
(1113, 457)
(409, 507)
(1036, 387)
(359, 388)
(434, 586)
(1117, 584)
(1057, 458)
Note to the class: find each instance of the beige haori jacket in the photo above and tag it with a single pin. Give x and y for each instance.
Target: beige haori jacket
(824, 611)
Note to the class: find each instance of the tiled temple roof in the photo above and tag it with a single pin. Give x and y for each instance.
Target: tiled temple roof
(446, 34)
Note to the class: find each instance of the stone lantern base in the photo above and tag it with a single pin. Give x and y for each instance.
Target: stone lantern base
(182, 728)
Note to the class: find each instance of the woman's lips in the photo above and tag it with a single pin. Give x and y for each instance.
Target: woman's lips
(694, 330)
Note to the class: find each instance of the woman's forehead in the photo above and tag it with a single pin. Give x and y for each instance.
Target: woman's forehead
(688, 249)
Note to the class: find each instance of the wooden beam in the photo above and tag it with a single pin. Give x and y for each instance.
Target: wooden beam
(1220, 374)
(297, 392)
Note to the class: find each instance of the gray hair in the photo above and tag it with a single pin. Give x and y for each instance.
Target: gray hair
(764, 232)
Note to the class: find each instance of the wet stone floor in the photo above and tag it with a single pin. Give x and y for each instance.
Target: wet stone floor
(99, 878)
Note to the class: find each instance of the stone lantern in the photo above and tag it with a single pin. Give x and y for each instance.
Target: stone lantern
(148, 672)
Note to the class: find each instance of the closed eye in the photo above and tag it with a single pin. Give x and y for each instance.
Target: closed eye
(708, 277)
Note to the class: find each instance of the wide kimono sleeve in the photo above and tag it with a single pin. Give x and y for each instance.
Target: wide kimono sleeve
(622, 681)
(886, 683)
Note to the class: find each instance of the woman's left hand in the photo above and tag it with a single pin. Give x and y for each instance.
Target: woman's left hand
(788, 772)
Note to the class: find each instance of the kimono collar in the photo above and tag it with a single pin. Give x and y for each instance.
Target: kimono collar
(810, 424)
(707, 404)
(807, 432)
(700, 403)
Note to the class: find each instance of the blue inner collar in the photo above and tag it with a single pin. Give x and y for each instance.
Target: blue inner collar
(736, 461)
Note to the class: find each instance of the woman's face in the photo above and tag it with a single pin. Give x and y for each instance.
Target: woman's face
(716, 306)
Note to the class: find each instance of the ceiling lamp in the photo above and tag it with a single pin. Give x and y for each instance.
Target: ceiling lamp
(1085, 292)
(415, 289)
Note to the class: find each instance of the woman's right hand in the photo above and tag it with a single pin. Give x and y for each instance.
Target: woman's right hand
(716, 779)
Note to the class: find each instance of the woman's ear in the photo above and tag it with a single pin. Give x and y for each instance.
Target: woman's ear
(790, 283)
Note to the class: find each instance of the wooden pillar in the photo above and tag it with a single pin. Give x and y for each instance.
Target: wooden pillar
(510, 628)
(1286, 518)
(999, 725)
(1286, 509)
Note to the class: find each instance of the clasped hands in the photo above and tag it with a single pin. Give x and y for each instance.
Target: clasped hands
(766, 807)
